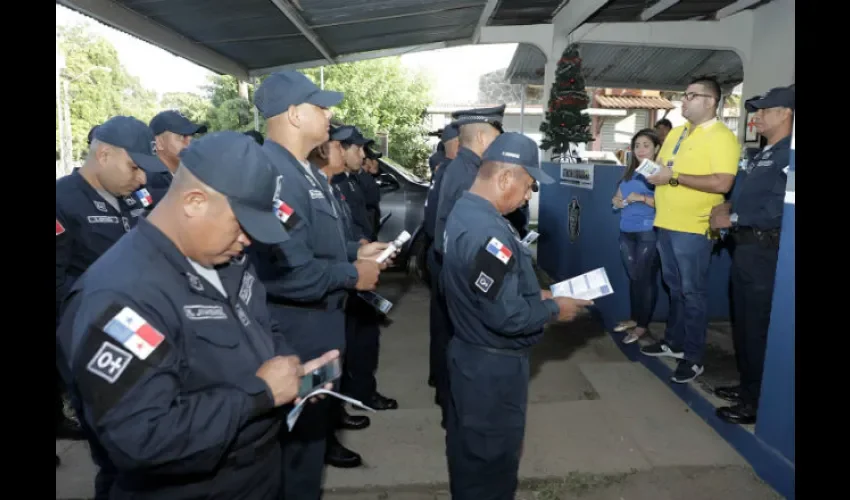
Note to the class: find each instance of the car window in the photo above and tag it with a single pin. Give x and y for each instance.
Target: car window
(404, 172)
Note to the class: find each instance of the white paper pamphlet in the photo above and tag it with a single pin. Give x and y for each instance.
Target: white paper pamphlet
(648, 167)
(588, 286)
(293, 415)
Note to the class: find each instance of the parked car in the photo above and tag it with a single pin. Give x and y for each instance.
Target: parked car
(403, 195)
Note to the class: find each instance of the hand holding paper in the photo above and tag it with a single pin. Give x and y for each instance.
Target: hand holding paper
(293, 414)
(588, 286)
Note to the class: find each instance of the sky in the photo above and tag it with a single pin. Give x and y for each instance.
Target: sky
(456, 70)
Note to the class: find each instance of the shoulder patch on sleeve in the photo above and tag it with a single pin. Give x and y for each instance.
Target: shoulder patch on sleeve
(119, 349)
(492, 263)
(59, 228)
(286, 214)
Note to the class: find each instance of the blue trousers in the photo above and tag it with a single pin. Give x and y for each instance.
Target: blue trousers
(685, 259)
(486, 421)
(640, 258)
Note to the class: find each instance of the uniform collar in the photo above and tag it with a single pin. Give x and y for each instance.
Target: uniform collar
(468, 156)
(480, 202)
(227, 273)
(784, 143)
(278, 151)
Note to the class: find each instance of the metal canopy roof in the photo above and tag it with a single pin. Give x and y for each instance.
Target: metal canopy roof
(253, 37)
(634, 66)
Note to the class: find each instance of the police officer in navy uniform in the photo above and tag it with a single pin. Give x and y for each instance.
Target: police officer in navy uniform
(328, 159)
(362, 320)
(167, 344)
(346, 181)
(92, 214)
(307, 277)
(477, 128)
(754, 219)
(368, 179)
(498, 312)
(174, 133)
(437, 327)
(438, 155)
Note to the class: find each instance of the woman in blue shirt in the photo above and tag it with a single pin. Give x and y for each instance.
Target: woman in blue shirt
(635, 198)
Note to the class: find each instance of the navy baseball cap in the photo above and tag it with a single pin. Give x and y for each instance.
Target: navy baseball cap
(133, 136)
(174, 121)
(493, 116)
(518, 149)
(341, 133)
(779, 97)
(290, 88)
(449, 133)
(370, 153)
(355, 136)
(234, 164)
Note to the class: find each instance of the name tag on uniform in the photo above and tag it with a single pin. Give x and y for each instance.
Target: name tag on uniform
(200, 312)
(315, 194)
(103, 219)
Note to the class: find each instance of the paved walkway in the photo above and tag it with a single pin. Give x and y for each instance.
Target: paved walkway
(592, 414)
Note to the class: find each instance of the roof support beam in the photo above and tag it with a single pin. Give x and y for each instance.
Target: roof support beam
(735, 8)
(486, 13)
(576, 13)
(119, 17)
(289, 11)
(657, 8)
(362, 56)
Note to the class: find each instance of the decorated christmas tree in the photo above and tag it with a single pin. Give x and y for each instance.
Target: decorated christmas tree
(565, 124)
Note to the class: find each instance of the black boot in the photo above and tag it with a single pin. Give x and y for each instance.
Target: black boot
(337, 455)
(352, 422)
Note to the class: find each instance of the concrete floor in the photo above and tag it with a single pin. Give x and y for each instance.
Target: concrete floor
(592, 414)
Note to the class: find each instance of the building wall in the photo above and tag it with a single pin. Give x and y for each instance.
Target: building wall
(617, 132)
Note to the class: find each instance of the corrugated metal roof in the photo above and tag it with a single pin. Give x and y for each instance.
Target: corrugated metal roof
(633, 102)
(527, 65)
(520, 12)
(635, 66)
(254, 36)
(618, 11)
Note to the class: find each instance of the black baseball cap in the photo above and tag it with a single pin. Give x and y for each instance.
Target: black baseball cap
(174, 121)
(135, 137)
(779, 97)
(290, 88)
(234, 164)
(340, 133)
(356, 137)
(518, 149)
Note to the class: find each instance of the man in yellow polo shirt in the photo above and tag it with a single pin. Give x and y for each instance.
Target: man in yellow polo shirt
(700, 161)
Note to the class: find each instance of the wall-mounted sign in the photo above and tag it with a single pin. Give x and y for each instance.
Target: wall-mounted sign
(577, 174)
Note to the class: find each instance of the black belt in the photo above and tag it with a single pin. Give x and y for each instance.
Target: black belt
(321, 305)
(517, 353)
(751, 235)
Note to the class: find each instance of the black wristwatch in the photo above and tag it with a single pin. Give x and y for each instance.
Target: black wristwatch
(674, 181)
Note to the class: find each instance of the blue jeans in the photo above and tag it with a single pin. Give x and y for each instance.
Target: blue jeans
(685, 258)
(640, 257)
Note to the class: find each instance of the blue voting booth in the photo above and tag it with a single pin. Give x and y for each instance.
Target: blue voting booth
(579, 232)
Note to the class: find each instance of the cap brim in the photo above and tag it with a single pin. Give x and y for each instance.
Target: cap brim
(340, 135)
(261, 225)
(360, 141)
(754, 105)
(325, 98)
(539, 175)
(148, 163)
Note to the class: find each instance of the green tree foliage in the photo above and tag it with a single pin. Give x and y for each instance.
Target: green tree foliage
(96, 94)
(381, 95)
(193, 106)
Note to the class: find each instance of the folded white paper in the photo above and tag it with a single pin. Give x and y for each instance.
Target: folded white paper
(588, 286)
(648, 167)
(293, 415)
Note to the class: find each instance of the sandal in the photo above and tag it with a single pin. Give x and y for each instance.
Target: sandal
(633, 337)
(625, 325)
